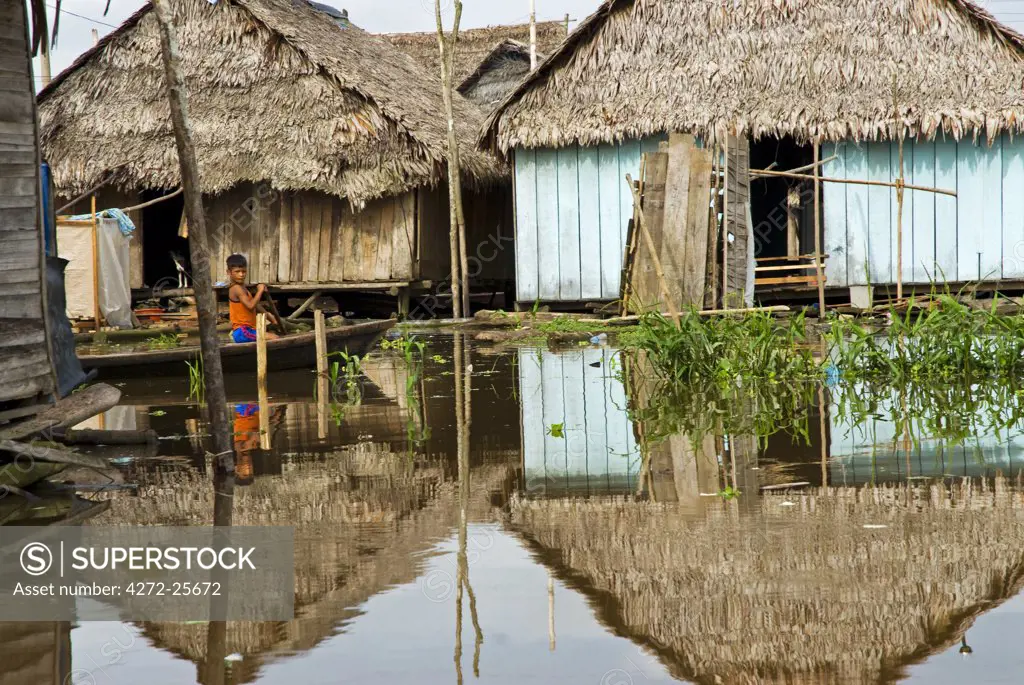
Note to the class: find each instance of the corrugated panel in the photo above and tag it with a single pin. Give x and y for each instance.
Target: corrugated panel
(572, 210)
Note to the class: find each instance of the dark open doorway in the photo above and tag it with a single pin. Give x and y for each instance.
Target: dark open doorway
(160, 224)
(780, 205)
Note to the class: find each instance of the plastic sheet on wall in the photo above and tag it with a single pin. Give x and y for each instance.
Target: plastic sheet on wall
(74, 243)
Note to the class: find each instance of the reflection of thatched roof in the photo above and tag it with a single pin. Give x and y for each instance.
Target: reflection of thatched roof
(475, 45)
(791, 594)
(365, 520)
(278, 92)
(761, 67)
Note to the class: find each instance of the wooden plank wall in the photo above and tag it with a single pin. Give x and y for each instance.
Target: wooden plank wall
(572, 208)
(25, 368)
(308, 237)
(979, 232)
(597, 451)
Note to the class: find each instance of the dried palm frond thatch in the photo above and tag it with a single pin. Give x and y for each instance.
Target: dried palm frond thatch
(805, 68)
(278, 92)
(475, 45)
(499, 72)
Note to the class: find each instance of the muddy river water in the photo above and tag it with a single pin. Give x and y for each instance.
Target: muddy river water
(548, 539)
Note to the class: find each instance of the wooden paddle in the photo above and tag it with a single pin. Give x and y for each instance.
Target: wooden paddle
(282, 324)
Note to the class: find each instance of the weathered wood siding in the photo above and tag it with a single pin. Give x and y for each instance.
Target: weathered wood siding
(597, 450)
(25, 368)
(978, 234)
(308, 237)
(572, 209)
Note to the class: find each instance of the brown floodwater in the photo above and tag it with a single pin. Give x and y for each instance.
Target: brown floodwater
(547, 540)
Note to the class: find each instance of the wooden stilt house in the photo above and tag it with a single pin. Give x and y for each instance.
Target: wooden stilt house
(855, 78)
(321, 147)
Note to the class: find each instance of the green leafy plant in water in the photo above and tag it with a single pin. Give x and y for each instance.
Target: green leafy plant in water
(343, 374)
(167, 341)
(196, 381)
(729, 493)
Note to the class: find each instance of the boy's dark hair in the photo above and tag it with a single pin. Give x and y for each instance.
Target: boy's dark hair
(236, 261)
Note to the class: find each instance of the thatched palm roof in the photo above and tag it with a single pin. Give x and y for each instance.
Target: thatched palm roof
(278, 92)
(476, 45)
(499, 72)
(806, 68)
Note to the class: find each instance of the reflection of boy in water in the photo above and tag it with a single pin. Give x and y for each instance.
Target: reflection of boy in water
(247, 439)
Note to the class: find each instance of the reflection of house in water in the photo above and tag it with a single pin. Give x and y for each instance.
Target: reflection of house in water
(577, 435)
(367, 513)
(817, 592)
(872, 447)
(36, 653)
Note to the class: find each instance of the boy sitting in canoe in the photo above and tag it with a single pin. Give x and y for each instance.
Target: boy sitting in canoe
(242, 304)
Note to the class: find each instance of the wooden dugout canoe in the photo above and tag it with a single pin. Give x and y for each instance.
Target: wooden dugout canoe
(287, 352)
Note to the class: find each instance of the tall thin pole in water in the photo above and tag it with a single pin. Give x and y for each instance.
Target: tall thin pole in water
(206, 301)
(533, 33)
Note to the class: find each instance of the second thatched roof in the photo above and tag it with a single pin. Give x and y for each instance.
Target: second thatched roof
(476, 45)
(278, 92)
(833, 69)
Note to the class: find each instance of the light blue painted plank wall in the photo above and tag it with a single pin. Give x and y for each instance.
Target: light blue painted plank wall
(572, 210)
(981, 231)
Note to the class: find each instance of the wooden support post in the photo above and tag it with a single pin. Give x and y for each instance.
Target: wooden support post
(305, 305)
(206, 301)
(819, 272)
(261, 379)
(551, 613)
(725, 227)
(626, 290)
(323, 389)
(403, 304)
(711, 296)
(95, 265)
(652, 248)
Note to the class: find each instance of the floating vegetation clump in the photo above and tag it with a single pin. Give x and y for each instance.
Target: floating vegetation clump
(942, 341)
(727, 350)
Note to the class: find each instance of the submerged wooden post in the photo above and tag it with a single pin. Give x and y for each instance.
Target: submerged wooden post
(202, 281)
(95, 265)
(819, 272)
(322, 383)
(261, 379)
(551, 613)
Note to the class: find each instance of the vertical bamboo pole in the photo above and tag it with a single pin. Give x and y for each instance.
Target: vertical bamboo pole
(202, 280)
(899, 225)
(322, 383)
(261, 379)
(95, 265)
(533, 34)
(711, 297)
(819, 272)
(725, 227)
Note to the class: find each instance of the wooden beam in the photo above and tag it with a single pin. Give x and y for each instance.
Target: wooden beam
(857, 181)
